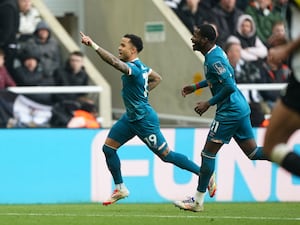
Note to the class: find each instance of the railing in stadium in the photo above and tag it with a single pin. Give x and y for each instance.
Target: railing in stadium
(176, 119)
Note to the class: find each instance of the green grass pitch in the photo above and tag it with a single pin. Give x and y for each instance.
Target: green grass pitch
(145, 214)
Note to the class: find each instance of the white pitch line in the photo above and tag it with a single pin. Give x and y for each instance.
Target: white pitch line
(152, 216)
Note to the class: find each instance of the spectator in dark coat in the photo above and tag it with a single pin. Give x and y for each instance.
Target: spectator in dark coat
(73, 74)
(192, 14)
(272, 72)
(30, 73)
(226, 15)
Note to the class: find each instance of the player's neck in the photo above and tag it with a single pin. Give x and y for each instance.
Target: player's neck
(207, 48)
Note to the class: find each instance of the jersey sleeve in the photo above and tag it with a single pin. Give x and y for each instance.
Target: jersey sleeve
(133, 69)
(223, 72)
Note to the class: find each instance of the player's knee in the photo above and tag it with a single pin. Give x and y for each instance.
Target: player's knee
(163, 153)
(165, 158)
(108, 151)
(168, 156)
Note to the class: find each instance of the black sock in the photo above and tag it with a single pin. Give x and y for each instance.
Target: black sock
(291, 163)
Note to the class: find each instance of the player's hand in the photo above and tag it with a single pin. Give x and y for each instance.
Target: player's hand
(85, 39)
(201, 107)
(187, 90)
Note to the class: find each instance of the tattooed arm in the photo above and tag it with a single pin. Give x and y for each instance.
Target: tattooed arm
(105, 55)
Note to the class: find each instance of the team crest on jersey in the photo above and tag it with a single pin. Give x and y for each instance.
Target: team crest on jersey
(219, 68)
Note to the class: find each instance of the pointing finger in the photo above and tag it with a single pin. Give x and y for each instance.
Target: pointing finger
(82, 34)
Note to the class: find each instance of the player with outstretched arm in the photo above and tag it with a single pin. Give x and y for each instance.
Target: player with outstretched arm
(140, 119)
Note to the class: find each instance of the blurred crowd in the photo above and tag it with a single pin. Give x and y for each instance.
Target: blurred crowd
(30, 55)
(246, 30)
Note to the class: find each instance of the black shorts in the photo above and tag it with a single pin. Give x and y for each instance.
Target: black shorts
(291, 96)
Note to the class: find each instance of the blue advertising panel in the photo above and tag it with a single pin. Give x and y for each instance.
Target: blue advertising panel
(68, 165)
(45, 165)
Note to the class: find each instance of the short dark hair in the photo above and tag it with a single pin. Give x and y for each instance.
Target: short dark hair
(208, 31)
(136, 41)
(77, 53)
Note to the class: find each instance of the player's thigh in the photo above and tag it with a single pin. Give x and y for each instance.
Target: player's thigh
(120, 133)
(244, 135)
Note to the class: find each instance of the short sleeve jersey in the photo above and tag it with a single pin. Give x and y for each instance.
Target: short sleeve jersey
(220, 73)
(135, 90)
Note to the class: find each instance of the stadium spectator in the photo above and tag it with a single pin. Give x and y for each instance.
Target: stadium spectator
(252, 47)
(226, 15)
(208, 4)
(273, 72)
(5, 78)
(29, 18)
(264, 17)
(192, 14)
(72, 74)
(281, 6)
(9, 24)
(75, 114)
(85, 116)
(30, 73)
(48, 47)
(242, 4)
(278, 36)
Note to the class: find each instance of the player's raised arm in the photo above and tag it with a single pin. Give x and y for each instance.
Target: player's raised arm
(104, 54)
